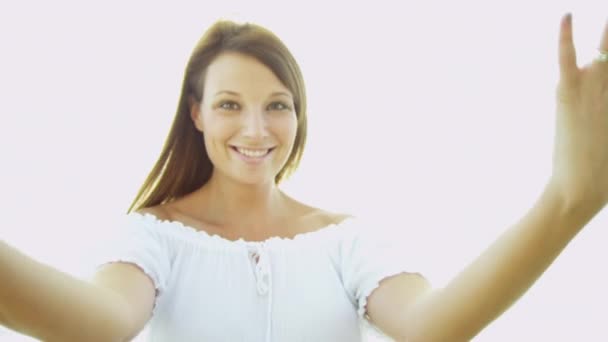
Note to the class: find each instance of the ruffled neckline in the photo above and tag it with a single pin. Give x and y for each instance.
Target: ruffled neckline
(196, 234)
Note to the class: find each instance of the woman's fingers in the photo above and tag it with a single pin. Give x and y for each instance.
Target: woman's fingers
(604, 42)
(567, 54)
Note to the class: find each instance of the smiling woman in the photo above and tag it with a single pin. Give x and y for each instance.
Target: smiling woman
(225, 68)
(211, 237)
(213, 249)
(251, 122)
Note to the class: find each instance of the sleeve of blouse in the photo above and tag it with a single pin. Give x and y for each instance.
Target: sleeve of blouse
(367, 257)
(137, 240)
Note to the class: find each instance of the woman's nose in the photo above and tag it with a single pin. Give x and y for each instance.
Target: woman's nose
(255, 125)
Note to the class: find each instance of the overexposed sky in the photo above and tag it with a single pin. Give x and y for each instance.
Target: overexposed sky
(435, 117)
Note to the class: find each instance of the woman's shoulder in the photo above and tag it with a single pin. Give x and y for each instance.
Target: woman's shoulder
(318, 219)
(302, 219)
(331, 218)
(161, 212)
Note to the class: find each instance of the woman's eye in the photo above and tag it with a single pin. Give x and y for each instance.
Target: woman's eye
(229, 105)
(278, 106)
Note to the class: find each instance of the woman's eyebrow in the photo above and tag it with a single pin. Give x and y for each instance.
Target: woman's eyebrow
(281, 93)
(230, 92)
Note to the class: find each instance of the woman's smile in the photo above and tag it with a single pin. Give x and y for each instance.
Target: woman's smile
(252, 156)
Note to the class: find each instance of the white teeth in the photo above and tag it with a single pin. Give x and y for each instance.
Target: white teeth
(252, 153)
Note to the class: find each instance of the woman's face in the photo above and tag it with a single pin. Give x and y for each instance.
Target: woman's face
(248, 119)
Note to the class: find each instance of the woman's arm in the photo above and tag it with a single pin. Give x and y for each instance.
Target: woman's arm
(42, 302)
(575, 193)
(499, 276)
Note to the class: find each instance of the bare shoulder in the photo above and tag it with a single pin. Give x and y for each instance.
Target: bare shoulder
(337, 218)
(161, 211)
(317, 216)
(326, 217)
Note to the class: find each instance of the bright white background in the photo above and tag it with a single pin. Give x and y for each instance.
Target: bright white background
(435, 117)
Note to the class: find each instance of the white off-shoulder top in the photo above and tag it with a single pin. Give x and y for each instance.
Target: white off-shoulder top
(313, 287)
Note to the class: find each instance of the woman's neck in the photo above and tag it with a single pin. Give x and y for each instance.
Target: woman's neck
(228, 203)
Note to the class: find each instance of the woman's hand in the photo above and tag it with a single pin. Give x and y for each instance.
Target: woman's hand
(580, 157)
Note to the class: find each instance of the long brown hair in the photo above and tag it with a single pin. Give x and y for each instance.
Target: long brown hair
(183, 165)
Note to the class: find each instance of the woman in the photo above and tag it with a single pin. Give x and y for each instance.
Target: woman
(215, 251)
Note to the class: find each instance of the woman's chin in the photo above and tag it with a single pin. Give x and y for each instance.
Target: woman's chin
(255, 180)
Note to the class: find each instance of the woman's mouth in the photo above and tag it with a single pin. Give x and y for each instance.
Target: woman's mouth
(252, 155)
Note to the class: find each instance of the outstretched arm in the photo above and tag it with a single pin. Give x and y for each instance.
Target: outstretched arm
(42, 302)
(575, 193)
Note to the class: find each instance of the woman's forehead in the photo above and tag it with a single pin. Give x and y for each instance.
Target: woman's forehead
(239, 73)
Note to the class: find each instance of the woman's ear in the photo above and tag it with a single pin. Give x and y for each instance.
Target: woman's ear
(195, 112)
